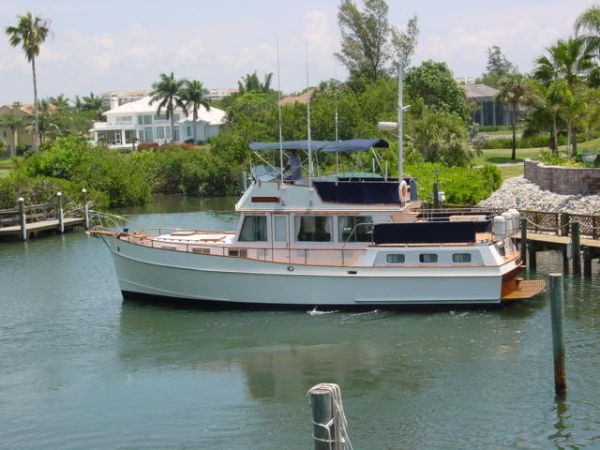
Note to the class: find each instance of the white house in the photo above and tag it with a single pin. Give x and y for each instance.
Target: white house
(139, 120)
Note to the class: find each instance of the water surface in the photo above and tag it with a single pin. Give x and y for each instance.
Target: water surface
(81, 368)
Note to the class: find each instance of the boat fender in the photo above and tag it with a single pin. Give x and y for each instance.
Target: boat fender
(403, 191)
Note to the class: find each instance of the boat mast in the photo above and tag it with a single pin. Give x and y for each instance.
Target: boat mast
(335, 99)
(279, 114)
(400, 121)
(308, 132)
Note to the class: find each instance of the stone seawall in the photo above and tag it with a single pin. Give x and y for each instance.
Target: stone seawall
(563, 180)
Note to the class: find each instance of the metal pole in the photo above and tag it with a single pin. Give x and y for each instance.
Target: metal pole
(324, 426)
(558, 341)
(22, 218)
(575, 242)
(61, 218)
(400, 121)
(308, 131)
(86, 209)
(279, 116)
(524, 241)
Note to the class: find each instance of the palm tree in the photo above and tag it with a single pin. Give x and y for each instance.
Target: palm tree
(251, 83)
(168, 92)
(31, 32)
(12, 120)
(514, 90)
(570, 59)
(46, 121)
(61, 102)
(195, 95)
(587, 25)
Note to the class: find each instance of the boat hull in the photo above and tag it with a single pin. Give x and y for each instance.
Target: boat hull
(157, 273)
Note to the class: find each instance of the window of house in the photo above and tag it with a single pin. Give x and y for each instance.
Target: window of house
(189, 130)
(254, 229)
(168, 132)
(428, 258)
(176, 134)
(160, 132)
(140, 120)
(148, 119)
(395, 258)
(129, 135)
(461, 257)
(141, 136)
(280, 226)
(313, 228)
(160, 117)
(124, 119)
(148, 132)
(176, 117)
(351, 230)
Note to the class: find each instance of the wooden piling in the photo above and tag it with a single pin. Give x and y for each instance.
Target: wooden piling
(325, 432)
(524, 240)
(558, 342)
(532, 255)
(587, 262)
(436, 195)
(22, 218)
(563, 224)
(565, 258)
(576, 248)
(86, 209)
(61, 217)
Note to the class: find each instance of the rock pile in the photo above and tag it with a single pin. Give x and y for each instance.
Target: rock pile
(520, 193)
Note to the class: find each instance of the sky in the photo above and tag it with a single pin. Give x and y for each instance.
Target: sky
(98, 46)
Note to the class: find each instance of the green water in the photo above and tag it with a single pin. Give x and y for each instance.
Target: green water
(82, 369)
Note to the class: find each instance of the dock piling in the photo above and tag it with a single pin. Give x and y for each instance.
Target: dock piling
(587, 262)
(576, 247)
(531, 247)
(22, 218)
(558, 342)
(563, 229)
(86, 209)
(61, 216)
(327, 417)
(524, 240)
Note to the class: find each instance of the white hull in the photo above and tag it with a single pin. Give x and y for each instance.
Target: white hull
(147, 271)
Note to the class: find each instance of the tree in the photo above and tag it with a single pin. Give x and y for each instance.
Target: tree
(571, 59)
(432, 85)
(195, 96)
(167, 92)
(251, 83)
(514, 90)
(47, 123)
(405, 42)
(587, 26)
(498, 67)
(365, 38)
(61, 102)
(30, 33)
(13, 121)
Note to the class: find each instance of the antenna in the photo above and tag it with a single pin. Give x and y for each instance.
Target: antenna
(310, 162)
(279, 113)
(400, 121)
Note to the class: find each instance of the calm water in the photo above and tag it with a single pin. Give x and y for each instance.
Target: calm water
(82, 369)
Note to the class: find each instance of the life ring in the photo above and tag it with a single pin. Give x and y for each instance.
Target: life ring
(403, 190)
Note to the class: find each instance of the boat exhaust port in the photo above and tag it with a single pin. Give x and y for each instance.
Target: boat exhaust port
(352, 272)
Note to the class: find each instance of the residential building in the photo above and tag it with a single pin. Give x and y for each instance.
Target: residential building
(112, 99)
(302, 98)
(138, 122)
(489, 110)
(20, 134)
(220, 93)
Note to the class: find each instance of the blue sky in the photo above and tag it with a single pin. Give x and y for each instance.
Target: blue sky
(105, 45)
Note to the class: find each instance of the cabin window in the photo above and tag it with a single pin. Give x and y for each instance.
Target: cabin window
(349, 229)
(428, 258)
(254, 229)
(461, 257)
(313, 228)
(280, 226)
(395, 258)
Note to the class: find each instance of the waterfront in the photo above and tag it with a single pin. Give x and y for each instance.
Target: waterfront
(80, 368)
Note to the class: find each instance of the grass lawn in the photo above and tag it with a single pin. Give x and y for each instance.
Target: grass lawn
(507, 132)
(511, 171)
(6, 165)
(502, 156)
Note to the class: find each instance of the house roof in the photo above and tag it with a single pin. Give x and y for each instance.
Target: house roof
(301, 98)
(25, 108)
(480, 91)
(142, 106)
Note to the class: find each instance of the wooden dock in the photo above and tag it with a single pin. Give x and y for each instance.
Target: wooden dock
(26, 221)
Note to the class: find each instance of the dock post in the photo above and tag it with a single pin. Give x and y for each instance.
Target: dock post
(532, 256)
(565, 258)
(22, 218)
(587, 262)
(436, 195)
(61, 217)
(524, 241)
(86, 209)
(326, 432)
(558, 340)
(575, 242)
(563, 224)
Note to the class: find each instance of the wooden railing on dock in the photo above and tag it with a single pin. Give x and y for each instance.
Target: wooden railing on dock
(27, 219)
